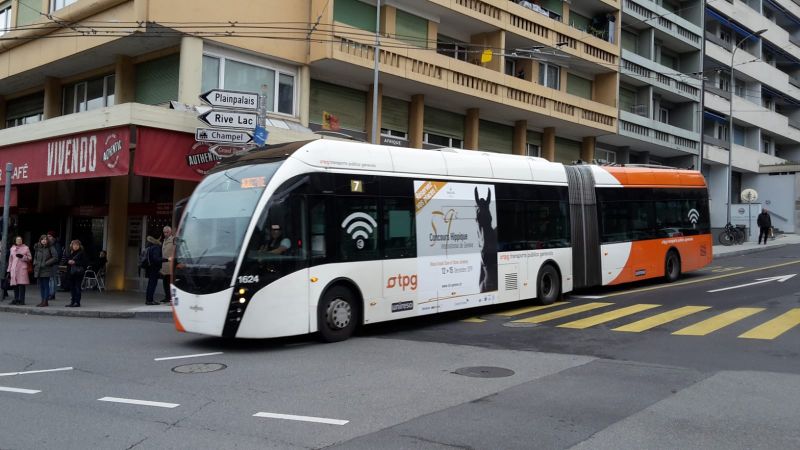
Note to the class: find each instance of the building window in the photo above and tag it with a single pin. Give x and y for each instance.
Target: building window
(394, 133)
(442, 141)
(768, 102)
(738, 87)
(721, 131)
(725, 35)
(663, 115)
(55, 5)
(89, 95)
(226, 73)
(603, 155)
(766, 144)
(451, 47)
(5, 17)
(550, 75)
(533, 150)
(723, 82)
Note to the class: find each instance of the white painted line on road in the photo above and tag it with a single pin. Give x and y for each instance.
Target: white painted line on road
(19, 391)
(131, 401)
(187, 356)
(9, 374)
(591, 297)
(301, 418)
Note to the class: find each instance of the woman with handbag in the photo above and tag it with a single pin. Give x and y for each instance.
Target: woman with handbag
(19, 260)
(76, 263)
(45, 258)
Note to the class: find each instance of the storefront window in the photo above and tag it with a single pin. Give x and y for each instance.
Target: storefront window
(226, 73)
(89, 95)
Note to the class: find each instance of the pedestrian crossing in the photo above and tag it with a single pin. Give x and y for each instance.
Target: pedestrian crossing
(685, 320)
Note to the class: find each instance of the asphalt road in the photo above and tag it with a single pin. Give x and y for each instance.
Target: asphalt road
(616, 375)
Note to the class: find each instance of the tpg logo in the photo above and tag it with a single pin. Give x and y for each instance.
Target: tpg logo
(403, 281)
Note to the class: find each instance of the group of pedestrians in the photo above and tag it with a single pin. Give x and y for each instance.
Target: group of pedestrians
(156, 261)
(43, 265)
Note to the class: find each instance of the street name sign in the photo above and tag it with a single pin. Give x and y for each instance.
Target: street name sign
(231, 99)
(229, 119)
(223, 136)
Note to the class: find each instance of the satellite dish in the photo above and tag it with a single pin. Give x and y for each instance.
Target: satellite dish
(749, 195)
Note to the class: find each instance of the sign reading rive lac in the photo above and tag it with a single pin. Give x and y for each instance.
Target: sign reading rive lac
(233, 116)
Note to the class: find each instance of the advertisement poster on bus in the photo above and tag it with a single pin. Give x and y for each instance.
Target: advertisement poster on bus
(456, 244)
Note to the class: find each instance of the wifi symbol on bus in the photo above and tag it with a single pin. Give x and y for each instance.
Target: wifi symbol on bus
(359, 226)
(694, 216)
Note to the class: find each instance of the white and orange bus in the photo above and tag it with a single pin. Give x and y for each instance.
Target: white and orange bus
(323, 236)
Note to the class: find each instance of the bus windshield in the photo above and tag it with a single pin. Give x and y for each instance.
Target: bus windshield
(214, 225)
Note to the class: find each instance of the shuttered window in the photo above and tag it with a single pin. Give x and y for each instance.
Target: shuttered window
(567, 151)
(579, 86)
(495, 137)
(534, 138)
(412, 29)
(444, 123)
(28, 12)
(394, 115)
(347, 106)
(157, 80)
(627, 100)
(355, 13)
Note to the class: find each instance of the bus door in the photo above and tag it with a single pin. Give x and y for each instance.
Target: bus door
(400, 277)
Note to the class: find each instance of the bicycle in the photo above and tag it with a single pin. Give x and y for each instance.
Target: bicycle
(731, 235)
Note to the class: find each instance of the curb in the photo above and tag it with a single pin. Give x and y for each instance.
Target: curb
(760, 249)
(33, 311)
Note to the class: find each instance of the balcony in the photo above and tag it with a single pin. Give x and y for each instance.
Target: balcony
(653, 73)
(439, 71)
(753, 20)
(661, 134)
(650, 14)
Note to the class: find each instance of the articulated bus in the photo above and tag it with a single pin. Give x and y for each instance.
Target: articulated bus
(324, 236)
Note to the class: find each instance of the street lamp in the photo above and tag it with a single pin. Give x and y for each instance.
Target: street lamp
(730, 121)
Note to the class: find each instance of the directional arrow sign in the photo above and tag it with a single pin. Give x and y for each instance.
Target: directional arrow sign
(779, 279)
(229, 119)
(223, 136)
(231, 99)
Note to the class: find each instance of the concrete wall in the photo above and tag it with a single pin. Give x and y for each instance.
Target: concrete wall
(778, 194)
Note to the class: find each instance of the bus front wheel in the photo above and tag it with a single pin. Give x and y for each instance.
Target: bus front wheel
(548, 285)
(672, 267)
(337, 314)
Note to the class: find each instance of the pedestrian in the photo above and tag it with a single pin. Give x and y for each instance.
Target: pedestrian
(764, 223)
(56, 244)
(76, 265)
(151, 263)
(45, 259)
(167, 253)
(19, 260)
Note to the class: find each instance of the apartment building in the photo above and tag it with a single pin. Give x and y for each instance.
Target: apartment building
(98, 154)
(762, 37)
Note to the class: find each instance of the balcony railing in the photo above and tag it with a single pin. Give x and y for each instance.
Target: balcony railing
(657, 78)
(667, 135)
(663, 21)
(710, 140)
(720, 92)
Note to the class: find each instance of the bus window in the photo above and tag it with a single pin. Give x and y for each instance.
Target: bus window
(357, 222)
(317, 217)
(399, 233)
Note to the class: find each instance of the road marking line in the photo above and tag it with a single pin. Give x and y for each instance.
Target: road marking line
(527, 309)
(474, 320)
(717, 322)
(186, 356)
(699, 280)
(562, 313)
(775, 327)
(9, 374)
(19, 391)
(660, 319)
(301, 418)
(607, 316)
(131, 401)
(589, 297)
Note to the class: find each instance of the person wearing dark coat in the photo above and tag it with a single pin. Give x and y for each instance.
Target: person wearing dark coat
(45, 258)
(764, 223)
(152, 268)
(76, 266)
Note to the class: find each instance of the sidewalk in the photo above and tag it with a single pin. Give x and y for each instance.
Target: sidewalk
(126, 305)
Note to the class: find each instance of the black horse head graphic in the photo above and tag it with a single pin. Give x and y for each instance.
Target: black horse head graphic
(487, 234)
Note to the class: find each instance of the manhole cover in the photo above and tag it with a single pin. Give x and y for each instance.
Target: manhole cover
(484, 372)
(520, 325)
(199, 368)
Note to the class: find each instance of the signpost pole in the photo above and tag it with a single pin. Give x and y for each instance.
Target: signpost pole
(749, 220)
(6, 208)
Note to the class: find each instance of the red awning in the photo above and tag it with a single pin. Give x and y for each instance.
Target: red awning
(13, 198)
(171, 154)
(98, 153)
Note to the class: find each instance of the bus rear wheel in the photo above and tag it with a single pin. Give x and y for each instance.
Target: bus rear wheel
(337, 314)
(672, 266)
(548, 285)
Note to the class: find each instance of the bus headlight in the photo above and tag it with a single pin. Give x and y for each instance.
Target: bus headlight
(242, 300)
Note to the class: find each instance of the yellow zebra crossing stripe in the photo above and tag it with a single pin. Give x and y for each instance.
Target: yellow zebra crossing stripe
(660, 319)
(608, 316)
(562, 313)
(527, 309)
(775, 327)
(717, 322)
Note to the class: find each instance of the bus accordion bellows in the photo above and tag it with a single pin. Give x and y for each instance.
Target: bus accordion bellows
(323, 236)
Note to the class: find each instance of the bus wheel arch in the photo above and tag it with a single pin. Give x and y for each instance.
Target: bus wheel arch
(339, 310)
(672, 265)
(549, 283)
